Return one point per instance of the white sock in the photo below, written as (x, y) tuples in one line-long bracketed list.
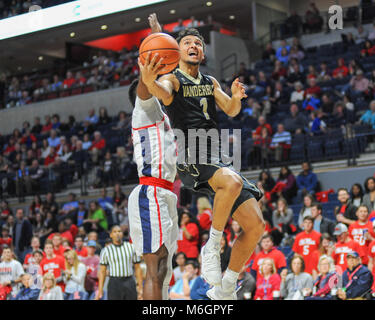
[(230, 280), (215, 236)]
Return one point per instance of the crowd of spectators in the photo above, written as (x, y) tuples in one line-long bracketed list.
[(48, 156), (11, 8), (105, 70), (295, 94), (51, 249)]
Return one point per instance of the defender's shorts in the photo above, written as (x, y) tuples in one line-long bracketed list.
[(153, 219)]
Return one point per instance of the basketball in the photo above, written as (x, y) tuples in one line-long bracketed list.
[(163, 44)]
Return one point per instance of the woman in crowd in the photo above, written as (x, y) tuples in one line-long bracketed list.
[(118, 195), (295, 283), (204, 213), (188, 237), (225, 251), (282, 218), (326, 281), (306, 209), (287, 177), (50, 291), (104, 119), (369, 197), (267, 181), (356, 194), (268, 281), (96, 220), (235, 231), (326, 248), (179, 269), (75, 273)]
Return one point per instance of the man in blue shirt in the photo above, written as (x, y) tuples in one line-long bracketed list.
[(81, 213), (92, 117), (68, 208), (53, 140), (369, 116), (307, 181), (104, 200), (356, 280)]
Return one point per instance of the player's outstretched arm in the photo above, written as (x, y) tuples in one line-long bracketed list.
[(154, 23), (162, 88), (230, 105)]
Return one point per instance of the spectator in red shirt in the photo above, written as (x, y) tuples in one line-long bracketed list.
[(92, 264), (268, 281), (50, 159), (262, 124), (204, 213), (29, 258), (312, 89), (5, 210), (97, 147), (189, 236), (371, 256), (80, 79), (57, 244), (343, 245), (69, 81), (279, 72), (361, 232), (48, 124), (268, 251), (28, 138), (5, 240), (368, 50), (53, 263), (79, 248), (306, 242), (341, 71)]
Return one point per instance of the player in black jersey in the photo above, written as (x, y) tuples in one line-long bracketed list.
[(190, 99)]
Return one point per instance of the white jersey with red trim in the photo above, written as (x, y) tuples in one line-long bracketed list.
[(155, 148)]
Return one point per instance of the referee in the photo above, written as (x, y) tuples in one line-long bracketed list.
[(120, 257)]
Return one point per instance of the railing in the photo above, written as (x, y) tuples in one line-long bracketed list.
[(227, 63), (355, 15), (336, 144)]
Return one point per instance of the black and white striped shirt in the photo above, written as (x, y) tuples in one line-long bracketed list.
[(120, 259)]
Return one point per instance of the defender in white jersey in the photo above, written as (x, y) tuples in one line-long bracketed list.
[(152, 206)]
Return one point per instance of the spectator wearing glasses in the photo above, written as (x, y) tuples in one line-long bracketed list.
[(356, 279), (50, 291)]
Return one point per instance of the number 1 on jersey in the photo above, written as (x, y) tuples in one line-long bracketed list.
[(203, 102)]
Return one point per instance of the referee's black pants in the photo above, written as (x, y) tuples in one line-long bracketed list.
[(122, 288)]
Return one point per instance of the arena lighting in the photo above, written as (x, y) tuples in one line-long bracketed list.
[(173, 11), (104, 27), (64, 14), (232, 17), (137, 19), (208, 3), (72, 34), (40, 58)]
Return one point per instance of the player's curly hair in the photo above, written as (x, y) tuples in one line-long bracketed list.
[(190, 32)]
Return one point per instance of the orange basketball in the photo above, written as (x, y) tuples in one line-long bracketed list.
[(163, 44)]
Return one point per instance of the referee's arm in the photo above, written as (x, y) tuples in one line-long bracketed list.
[(101, 276), (102, 273)]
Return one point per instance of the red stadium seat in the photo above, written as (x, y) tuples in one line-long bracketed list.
[(88, 89), (76, 91), (65, 93), (124, 82)]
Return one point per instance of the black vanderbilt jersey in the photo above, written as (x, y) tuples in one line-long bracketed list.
[(193, 106)]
